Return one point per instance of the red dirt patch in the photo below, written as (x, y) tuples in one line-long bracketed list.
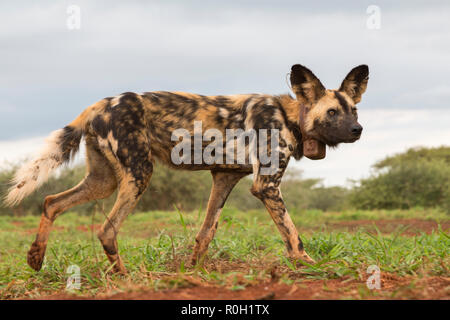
[(414, 226), (35, 230), (392, 287)]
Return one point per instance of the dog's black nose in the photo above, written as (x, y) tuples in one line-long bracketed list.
[(357, 129)]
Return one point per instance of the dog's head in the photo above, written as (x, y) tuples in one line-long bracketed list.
[(330, 115)]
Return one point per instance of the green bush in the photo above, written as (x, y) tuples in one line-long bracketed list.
[(418, 177), (328, 198)]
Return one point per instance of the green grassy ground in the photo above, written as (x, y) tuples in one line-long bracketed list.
[(247, 246)]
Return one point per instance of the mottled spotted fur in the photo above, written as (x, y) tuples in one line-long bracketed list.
[(124, 136)]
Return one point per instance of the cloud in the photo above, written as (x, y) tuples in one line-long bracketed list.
[(435, 97)]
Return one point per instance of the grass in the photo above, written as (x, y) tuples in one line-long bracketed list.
[(156, 245)]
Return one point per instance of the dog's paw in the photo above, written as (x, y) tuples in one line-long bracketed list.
[(303, 257), (35, 256)]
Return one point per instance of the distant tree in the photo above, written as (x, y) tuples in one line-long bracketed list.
[(418, 177), (329, 198), (415, 154)]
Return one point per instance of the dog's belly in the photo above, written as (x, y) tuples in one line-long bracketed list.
[(215, 167)]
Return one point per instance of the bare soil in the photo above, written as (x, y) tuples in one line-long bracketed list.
[(392, 287)]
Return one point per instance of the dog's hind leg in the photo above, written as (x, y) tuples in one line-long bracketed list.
[(223, 183), (99, 183), (133, 170), (127, 199)]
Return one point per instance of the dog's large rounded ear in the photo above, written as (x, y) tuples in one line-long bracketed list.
[(355, 83), (306, 86)]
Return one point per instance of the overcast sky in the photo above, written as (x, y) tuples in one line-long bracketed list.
[(49, 74)]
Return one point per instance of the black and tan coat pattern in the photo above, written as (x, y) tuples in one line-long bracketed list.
[(124, 136)]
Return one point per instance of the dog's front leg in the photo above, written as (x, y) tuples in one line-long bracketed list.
[(266, 188)]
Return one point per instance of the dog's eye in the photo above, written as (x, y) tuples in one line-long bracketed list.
[(354, 110), (332, 112)]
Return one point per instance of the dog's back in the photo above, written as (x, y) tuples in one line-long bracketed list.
[(165, 117)]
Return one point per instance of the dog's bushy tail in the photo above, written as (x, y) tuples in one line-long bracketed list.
[(60, 147)]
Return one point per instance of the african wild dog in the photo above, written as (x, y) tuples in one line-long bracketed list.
[(124, 136)]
